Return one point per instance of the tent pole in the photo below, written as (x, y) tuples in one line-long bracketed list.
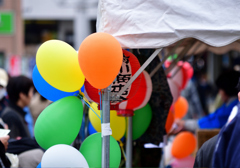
[(180, 56), (105, 127), (129, 144), (165, 58)]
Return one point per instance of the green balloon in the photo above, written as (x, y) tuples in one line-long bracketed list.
[(91, 149), (59, 123), (140, 121)]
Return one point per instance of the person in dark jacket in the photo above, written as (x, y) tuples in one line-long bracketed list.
[(222, 150), (20, 91), (226, 83), (205, 153)]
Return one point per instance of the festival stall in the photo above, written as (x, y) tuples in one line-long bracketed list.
[(182, 27), (112, 75)]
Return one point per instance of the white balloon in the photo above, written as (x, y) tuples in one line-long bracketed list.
[(63, 156), (174, 88)]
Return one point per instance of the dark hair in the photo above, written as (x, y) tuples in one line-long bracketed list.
[(17, 85), (227, 81)]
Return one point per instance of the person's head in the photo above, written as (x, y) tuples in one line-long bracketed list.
[(20, 90), (226, 83), (3, 82)]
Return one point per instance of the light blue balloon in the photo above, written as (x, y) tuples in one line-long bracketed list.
[(46, 90)]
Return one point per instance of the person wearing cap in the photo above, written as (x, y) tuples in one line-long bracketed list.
[(226, 84), (3, 83)]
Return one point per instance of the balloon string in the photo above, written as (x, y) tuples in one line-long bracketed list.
[(121, 146), (85, 100), (100, 94)]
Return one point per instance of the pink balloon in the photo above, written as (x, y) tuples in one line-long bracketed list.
[(187, 162), (174, 88)]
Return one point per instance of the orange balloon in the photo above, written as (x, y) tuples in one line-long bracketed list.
[(169, 122), (180, 108), (100, 57), (183, 145)]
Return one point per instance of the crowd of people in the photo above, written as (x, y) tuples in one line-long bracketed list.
[(16, 93)]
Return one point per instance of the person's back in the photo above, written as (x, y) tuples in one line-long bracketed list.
[(14, 117), (205, 153)]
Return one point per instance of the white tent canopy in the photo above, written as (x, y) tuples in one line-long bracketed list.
[(160, 23), (203, 24)]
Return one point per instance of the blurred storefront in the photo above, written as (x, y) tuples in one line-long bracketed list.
[(26, 24), (11, 31)]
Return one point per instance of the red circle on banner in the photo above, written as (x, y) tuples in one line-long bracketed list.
[(140, 99)]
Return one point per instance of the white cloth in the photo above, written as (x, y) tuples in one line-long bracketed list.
[(159, 23)]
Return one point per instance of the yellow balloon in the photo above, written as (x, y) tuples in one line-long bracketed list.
[(117, 124), (57, 63)]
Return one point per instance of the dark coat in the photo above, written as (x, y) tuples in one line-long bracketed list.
[(13, 116), (205, 153)]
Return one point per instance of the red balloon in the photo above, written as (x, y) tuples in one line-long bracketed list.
[(140, 99), (184, 74), (129, 67), (189, 69)]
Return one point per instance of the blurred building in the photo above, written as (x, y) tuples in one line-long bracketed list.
[(67, 20), (11, 29)]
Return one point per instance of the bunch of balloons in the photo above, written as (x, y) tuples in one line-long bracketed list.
[(58, 76)]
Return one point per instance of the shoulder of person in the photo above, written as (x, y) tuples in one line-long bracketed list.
[(9, 112)]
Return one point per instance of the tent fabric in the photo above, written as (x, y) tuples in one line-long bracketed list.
[(200, 47), (156, 24)]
